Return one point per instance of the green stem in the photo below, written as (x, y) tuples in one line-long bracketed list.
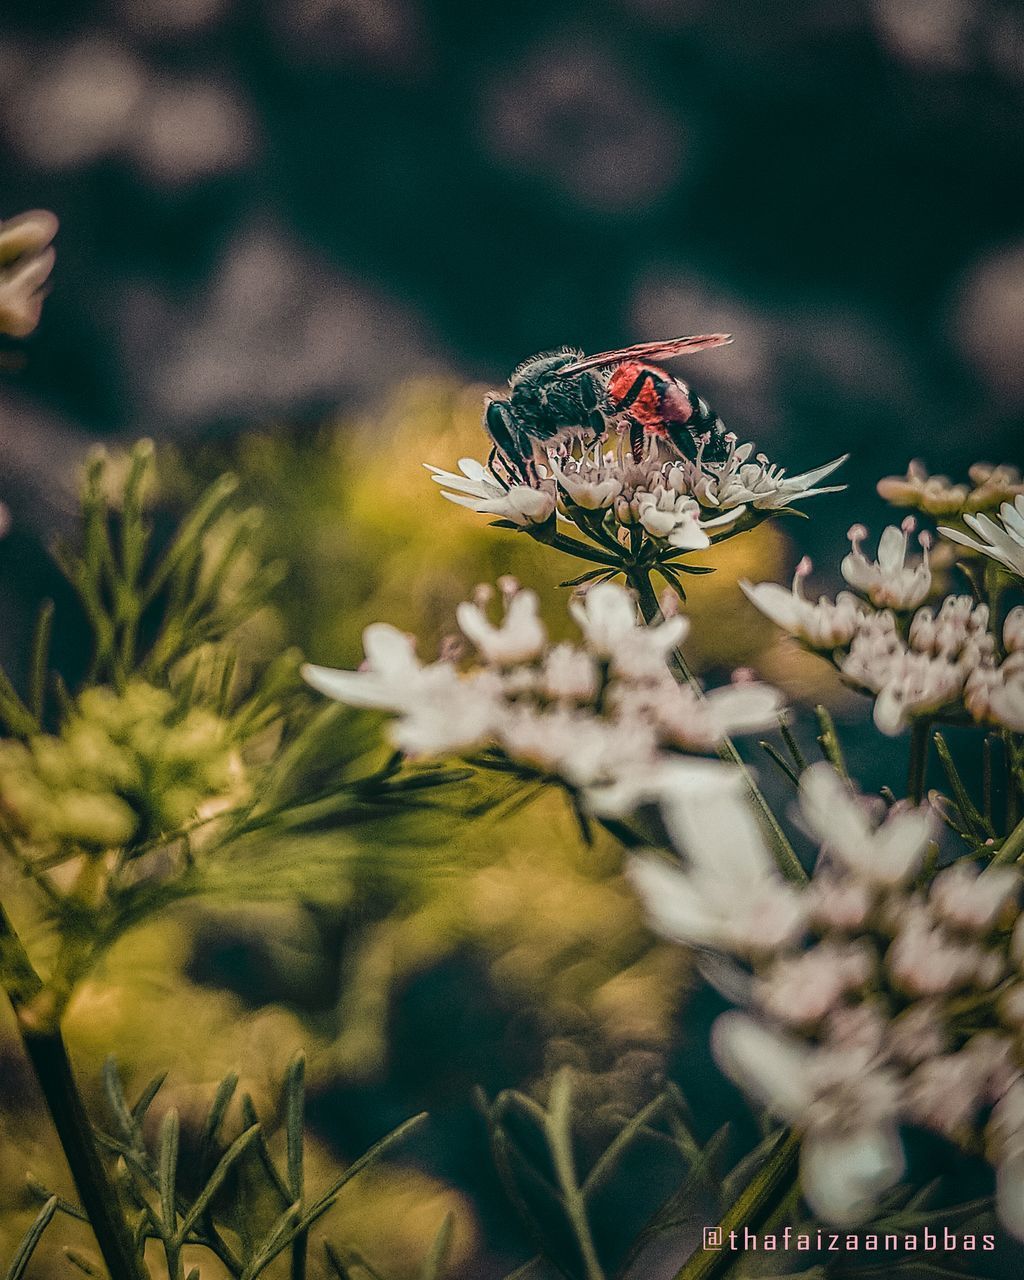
[(1012, 784), (920, 741), (785, 856), (46, 1051), (775, 1181), (1012, 847)]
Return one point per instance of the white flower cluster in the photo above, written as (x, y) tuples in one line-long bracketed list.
[(989, 486), (606, 716), (1001, 539), (914, 660), (872, 1003), (673, 500)]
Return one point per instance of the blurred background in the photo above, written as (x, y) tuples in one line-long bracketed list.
[(299, 236)]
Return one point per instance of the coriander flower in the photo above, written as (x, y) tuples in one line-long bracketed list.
[(696, 721), (1013, 630), (728, 893), (676, 503), (759, 483), (1002, 539), (965, 899), (822, 625), (928, 959), (948, 658), (844, 1103), (1004, 1139), (905, 684), (886, 853), (671, 516), (822, 968), (889, 581), (480, 490), (26, 260), (996, 694), (939, 496), (802, 989), (439, 709), (520, 637), (938, 662), (592, 481), (606, 717), (607, 616)]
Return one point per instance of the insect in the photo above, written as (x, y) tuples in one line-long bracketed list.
[(558, 396)]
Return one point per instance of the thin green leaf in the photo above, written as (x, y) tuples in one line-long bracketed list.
[(23, 1254), (221, 1102), (145, 1101), (249, 1119), (526, 1270), (592, 575), (224, 1166), (186, 542), (791, 742), (828, 740), (344, 1271), (167, 1159), (83, 1264), (627, 1135), (336, 1264), (118, 1102), (14, 713), (279, 1234), (436, 1259), (374, 1153), (968, 810), (735, 1181), (63, 1206), (778, 759), (558, 1131), (295, 1105), (40, 660)]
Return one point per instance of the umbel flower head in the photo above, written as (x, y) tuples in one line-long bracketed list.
[(939, 496), (604, 716), (914, 660), (656, 504), (125, 767), (872, 1003), (26, 260)]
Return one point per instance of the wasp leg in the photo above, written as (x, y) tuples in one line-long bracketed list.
[(684, 439), (591, 396), (514, 448), (717, 447)]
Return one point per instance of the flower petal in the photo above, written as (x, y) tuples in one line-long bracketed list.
[(842, 1175), (766, 1064)]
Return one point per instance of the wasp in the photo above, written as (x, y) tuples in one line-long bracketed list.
[(560, 396)]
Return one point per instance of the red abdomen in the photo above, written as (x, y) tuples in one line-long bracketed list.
[(661, 399)]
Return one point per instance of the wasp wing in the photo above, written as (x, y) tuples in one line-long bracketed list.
[(663, 350)]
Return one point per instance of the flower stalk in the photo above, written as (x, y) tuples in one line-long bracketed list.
[(789, 864), (774, 1181), (34, 1005), (920, 742), (1012, 848)]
